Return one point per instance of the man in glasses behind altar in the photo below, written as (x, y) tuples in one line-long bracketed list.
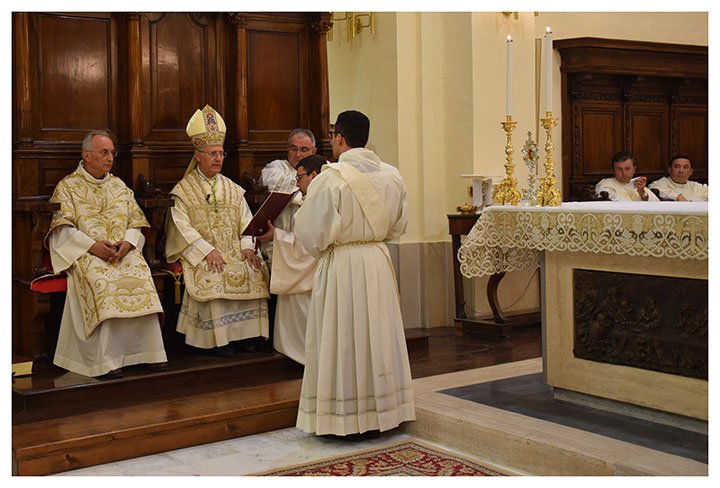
[(279, 175), (226, 282)]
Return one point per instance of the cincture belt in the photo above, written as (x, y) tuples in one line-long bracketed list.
[(384, 249), (332, 247)]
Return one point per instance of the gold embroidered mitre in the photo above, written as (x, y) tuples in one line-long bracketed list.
[(206, 128)]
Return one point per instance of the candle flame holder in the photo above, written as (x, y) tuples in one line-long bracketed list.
[(506, 192), (549, 195)]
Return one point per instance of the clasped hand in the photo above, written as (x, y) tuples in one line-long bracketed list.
[(110, 252), (216, 263)]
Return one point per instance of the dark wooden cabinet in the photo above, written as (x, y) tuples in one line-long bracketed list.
[(647, 98), (141, 76)]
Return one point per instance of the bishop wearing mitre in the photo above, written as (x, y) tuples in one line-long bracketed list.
[(226, 280)]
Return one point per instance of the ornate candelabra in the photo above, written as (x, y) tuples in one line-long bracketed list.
[(530, 156), (506, 193), (549, 195)]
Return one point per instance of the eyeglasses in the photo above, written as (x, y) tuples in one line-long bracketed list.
[(214, 154), (105, 153), (332, 133), (297, 178), (301, 150)]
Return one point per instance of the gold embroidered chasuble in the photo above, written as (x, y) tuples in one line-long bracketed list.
[(221, 226), (104, 210)]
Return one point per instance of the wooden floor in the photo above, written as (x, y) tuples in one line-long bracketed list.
[(63, 421)]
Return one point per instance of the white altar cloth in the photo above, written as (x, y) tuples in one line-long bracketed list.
[(507, 238)]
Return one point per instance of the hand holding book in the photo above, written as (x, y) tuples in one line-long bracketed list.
[(268, 212)]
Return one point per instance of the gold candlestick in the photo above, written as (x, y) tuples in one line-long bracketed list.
[(506, 193), (549, 195)]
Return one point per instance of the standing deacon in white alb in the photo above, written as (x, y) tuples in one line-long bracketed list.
[(279, 175), (110, 318), (357, 374), (226, 282), (291, 275), (676, 186)]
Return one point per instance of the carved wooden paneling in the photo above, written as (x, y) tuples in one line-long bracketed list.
[(647, 136), (277, 81), (690, 136), (599, 128), (646, 98), (183, 63), (75, 67)]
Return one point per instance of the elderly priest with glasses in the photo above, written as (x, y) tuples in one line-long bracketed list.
[(110, 319), (226, 282)]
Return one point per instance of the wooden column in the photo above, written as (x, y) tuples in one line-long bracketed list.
[(320, 114), (140, 166), (240, 21), (23, 92)]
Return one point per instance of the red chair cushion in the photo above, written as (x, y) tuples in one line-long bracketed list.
[(49, 283)]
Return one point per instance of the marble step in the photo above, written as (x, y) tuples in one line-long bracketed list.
[(57, 445)]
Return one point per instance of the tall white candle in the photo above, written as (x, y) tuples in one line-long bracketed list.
[(508, 79), (548, 69)]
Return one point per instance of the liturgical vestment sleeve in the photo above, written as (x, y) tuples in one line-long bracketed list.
[(67, 244)]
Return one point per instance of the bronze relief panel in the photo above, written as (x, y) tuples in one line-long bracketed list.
[(651, 322)]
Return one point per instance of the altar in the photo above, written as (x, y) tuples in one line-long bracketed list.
[(623, 295)]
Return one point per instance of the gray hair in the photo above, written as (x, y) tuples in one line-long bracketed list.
[(305, 132), (87, 142)]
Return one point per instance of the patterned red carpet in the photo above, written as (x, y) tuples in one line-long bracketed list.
[(405, 458)]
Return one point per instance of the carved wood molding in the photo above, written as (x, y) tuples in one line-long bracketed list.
[(239, 20), (321, 26), (597, 55)]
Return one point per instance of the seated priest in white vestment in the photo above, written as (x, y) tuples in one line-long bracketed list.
[(291, 275), (279, 175), (110, 319), (226, 281), (357, 378), (677, 186), (625, 186)]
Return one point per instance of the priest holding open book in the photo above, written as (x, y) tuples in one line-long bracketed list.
[(226, 281), (279, 176), (291, 276)]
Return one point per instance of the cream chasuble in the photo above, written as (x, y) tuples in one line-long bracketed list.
[(619, 192), (104, 210), (692, 190), (357, 373), (217, 307), (110, 317)]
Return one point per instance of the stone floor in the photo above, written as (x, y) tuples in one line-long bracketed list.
[(472, 423)]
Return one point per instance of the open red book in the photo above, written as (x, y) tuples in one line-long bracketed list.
[(270, 209)]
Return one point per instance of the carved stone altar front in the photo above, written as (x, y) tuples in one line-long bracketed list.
[(658, 323)]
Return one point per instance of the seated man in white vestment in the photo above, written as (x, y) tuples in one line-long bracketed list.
[(279, 175), (110, 319), (676, 186), (625, 186), (291, 275), (226, 282), (357, 378)]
